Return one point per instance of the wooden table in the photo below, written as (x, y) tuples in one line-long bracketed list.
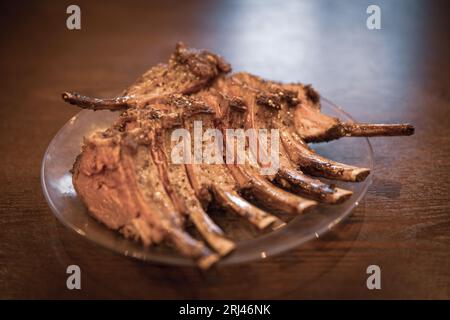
[(399, 73)]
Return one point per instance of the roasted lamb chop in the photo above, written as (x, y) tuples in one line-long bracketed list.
[(127, 179)]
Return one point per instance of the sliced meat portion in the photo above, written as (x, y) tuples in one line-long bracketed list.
[(101, 181), (118, 183), (156, 129)]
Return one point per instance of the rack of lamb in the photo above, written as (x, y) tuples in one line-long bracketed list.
[(125, 176)]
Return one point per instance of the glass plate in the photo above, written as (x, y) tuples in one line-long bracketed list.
[(251, 244)]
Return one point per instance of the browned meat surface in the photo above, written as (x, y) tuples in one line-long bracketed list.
[(128, 181), (188, 70)]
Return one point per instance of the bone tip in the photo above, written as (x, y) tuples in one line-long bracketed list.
[(409, 129), (69, 97), (360, 174), (207, 261), (226, 247), (340, 195), (66, 95), (267, 221), (278, 224), (306, 205)]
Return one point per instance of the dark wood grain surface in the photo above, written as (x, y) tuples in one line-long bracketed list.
[(398, 73)]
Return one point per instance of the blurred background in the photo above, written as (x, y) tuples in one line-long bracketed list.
[(400, 73)]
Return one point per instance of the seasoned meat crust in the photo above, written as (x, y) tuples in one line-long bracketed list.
[(127, 179)]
